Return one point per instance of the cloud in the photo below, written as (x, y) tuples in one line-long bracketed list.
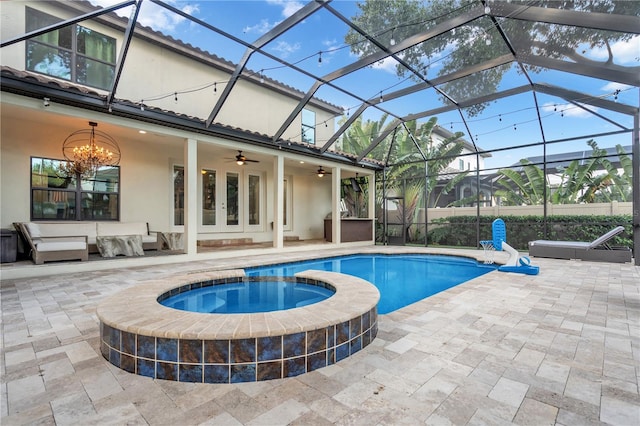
[(624, 52), (388, 64), (612, 86), (260, 28), (154, 16), (288, 7), (569, 110), (285, 49)]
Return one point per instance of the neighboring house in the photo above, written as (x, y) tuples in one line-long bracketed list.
[(176, 172)]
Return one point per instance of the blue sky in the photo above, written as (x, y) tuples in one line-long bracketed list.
[(505, 123)]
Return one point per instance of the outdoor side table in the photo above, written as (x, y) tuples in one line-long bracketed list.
[(113, 245), (173, 240)]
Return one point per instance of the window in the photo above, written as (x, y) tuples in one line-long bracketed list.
[(233, 200), (461, 164), (208, 197), (288, 202), (178, 195), (73, 53), (308, 127), (55, 196), (254, 200)]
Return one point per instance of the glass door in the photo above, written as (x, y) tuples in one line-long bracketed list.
[(231, 203)]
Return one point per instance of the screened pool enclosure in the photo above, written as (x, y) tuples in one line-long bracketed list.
[(463, 111)]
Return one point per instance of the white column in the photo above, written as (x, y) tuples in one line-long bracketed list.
[(191, 174), (336, 229), (278, 202)]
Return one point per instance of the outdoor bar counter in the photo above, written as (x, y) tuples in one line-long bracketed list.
[(351, 229)]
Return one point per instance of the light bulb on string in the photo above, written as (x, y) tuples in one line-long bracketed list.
[(381, 98), (499, 117), (261, 76), (215, 88), (175, 96), (319, 57), (392, 42)]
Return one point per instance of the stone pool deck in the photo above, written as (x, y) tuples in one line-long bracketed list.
[(562, 347)]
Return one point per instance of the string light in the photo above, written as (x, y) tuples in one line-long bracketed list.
[(175, 96), (392, 42), (381, 98), (364, 40), (215, 87)]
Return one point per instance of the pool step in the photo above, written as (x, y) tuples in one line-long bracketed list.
[(225, 242)]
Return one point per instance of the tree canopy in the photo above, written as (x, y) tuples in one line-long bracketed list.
[(478, 41)]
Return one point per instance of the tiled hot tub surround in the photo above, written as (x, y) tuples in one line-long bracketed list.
[(140, 336)]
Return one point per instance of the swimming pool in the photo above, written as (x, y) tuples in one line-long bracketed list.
[(252, 294), (401, 279)]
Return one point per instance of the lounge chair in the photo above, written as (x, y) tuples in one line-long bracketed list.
[(598, 250)]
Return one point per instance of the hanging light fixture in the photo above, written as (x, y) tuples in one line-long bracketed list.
[(87, 150)]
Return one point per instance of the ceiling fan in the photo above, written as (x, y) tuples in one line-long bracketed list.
[(321, 172), (241, 159)]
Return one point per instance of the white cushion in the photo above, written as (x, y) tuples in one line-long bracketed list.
[(57, 229), (122, 228), (149, 238), (61, 244), (34, 230)]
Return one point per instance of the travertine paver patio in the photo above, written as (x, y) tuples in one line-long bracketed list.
[(562, 347)]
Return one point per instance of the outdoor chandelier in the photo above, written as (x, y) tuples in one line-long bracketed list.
[(87, 150)]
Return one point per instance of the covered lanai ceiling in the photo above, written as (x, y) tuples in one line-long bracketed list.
[(512, 76)]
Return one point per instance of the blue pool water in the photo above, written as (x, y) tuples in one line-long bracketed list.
[(248, 297), (401, 279)]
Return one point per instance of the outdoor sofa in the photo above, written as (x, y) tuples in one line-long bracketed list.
[(598, 250), (53, 241)]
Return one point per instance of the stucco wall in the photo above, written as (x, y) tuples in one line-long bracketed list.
[(152, 71), (146, 167)]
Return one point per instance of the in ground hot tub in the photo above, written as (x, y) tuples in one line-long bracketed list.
[(141, 336)]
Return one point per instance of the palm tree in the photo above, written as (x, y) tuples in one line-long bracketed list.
[(619, 185)]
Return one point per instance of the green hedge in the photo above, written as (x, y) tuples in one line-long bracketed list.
[(460, 231)]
